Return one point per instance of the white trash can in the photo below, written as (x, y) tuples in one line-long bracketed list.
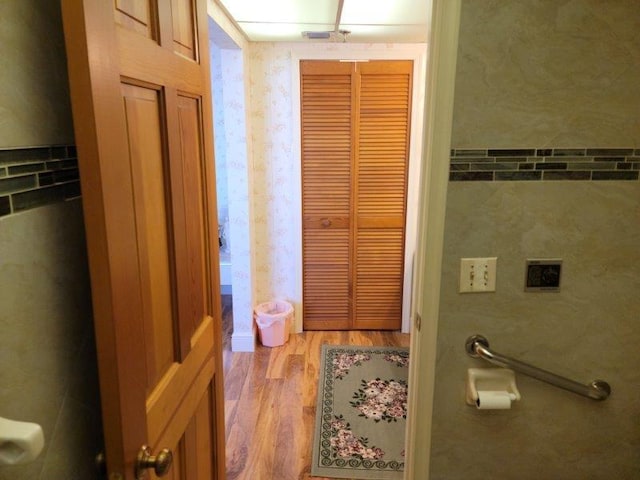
[(274, 320)]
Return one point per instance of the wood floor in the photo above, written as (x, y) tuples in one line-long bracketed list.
[(270, 398)]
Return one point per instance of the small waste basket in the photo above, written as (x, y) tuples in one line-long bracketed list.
[(274, 322)]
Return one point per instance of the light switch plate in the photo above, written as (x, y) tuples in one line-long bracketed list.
[(478, 274)]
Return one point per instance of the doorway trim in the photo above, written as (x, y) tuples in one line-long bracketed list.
[(443, 48), (233, 46), (346, 51)]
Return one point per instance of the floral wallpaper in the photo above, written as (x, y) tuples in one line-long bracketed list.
[(262, 162), (275, 206), (233, 178), (239, 177), (220, 146)]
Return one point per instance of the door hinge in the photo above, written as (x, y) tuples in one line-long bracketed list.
[(418, 322)]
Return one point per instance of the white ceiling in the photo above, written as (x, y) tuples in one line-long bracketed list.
[(369, 21)]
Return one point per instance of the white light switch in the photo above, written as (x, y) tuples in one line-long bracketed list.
[(478, 274)]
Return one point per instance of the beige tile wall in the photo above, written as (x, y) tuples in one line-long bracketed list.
[(548, 73), (534, 74), (47, 355), (34, 88), (586, 331)]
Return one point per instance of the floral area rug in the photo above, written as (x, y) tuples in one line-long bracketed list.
[(361, 413)]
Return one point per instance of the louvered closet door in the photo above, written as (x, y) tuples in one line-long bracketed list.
[(326, 119), (381, 161), (355, 142)]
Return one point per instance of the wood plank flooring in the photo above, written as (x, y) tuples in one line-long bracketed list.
[(270, 398)]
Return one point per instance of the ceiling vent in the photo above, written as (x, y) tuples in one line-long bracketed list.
[(335, 35), (317, 35)]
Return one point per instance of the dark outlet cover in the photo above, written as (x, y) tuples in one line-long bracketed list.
[(543, 275)]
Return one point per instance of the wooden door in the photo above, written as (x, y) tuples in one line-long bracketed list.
[(380, 191), (327, 119), (139, 76), (355, 125)]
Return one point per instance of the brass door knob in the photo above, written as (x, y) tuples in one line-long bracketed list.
[(160, 463)]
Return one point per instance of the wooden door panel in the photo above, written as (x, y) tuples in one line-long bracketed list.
[(144, 137), (186, 413), (170, 392), (183, 28), (134, 15), (189, 219), (142, 109), (200, 438)]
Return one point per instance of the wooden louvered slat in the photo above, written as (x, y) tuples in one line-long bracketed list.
[(379, 272), (326, 276)]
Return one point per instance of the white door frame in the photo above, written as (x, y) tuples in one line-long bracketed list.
[(438, 114), (441, 71)]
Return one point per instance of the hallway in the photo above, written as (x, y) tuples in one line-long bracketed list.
[(270, 398)]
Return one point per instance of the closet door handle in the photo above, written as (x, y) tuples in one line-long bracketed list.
[(325, 222)]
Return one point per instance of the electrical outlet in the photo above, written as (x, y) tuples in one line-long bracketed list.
[(478, 274)]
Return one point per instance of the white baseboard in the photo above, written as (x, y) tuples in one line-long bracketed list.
[(243, 342)]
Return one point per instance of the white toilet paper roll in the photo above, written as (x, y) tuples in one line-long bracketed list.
[(494, 400)]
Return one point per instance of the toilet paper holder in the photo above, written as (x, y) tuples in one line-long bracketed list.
[(20, 442), (490, 380)]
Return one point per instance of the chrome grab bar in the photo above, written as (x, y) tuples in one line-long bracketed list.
[(478, 346)]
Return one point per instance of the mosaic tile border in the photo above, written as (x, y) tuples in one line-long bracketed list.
[(531, 164), (33, 177)]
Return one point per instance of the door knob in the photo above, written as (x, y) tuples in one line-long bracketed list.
[(160, 463), (325, 222), (101, 465)]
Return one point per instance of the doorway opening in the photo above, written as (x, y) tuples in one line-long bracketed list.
[(232, 182), (267, 386)]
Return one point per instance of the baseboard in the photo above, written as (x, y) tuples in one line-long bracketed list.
[(243, 342)]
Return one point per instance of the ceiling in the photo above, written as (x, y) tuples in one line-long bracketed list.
[(368, 21)]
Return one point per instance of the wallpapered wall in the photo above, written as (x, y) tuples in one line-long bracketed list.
[(544, 74), (219, 142), (239, 178), (274, 203)]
